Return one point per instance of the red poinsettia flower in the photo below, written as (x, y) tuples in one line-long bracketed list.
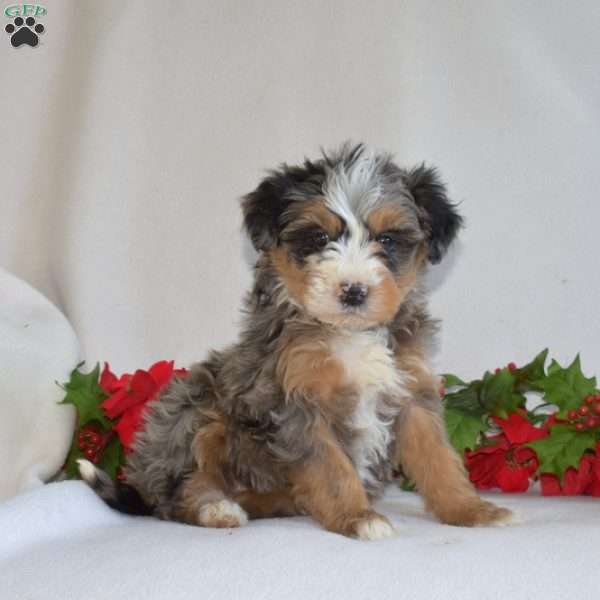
[(483, 464), (583, 480), (593, 487), (518, 430), (506, 464), (110, 383), (502, 465), (130, 394)]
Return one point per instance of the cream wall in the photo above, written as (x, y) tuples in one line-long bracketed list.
[(129, 133)]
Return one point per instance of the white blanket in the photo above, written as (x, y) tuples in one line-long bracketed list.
[(60, 542), (37, 348)]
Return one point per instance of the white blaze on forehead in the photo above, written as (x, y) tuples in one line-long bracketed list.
[(351, 193), (355, 186)]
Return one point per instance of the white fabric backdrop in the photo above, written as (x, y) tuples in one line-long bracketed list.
[(130, 132)]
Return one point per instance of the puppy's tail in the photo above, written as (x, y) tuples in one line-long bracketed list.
[(117, 495)]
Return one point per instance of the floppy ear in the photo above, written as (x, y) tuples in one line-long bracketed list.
[(439, 217), (262, 209)]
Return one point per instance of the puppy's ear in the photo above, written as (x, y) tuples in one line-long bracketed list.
[(262, 209), (439, 217)]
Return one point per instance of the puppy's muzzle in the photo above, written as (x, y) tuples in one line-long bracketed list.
[(353, 294)]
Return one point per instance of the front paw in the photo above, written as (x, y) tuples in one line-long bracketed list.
[(371, 526), (475, 513), (222, 514)]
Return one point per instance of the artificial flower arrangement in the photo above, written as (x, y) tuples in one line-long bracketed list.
[(514, 426)]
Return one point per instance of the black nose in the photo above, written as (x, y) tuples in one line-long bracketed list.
[(353, 294)]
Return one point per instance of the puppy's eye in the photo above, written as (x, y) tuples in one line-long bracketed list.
[(319, 239), (304, 242), (313, 241), (396, 241), (386, 240)]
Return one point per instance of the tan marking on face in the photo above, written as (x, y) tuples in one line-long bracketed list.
[(387, 218), (386, 299), (293, 277), (316, 214), (389, 294)]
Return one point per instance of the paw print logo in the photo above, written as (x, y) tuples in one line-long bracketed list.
[(24, 32)]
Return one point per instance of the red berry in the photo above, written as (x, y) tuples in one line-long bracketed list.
[(583, 410), (95, 438), (497, 370), (89, 453), (580, 426), (572, 415), (590, 399), (591, 422), (512, 366), (597, 408)]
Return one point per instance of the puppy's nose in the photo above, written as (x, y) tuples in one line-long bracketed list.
[(353, 294)]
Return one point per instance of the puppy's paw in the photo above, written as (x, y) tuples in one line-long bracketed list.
[(372, 526), (222, 514), (477, 513)]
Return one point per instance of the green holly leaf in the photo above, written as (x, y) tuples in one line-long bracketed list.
[(463, 429), (112, 457), (498, 395), (527, 375), (566, 388), (451, 381), (408, 486), (466, 399), (71, 468), (84, 392), (562, 449), (536, 418), (554, 367)]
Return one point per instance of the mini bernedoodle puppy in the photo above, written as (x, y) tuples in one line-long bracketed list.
[(328, 391)]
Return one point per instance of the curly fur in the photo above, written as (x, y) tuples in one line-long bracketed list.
[(317, 404)]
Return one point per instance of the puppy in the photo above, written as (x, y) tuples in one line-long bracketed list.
[(328, 390)]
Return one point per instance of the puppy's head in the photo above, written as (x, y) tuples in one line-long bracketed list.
[(347, 235)]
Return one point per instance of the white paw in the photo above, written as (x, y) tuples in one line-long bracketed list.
[(510, 518), (223, 513), (87, 470), (374, 528)]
